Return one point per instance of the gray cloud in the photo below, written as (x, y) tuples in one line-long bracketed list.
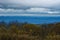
[(29, 12), (29, 7), (23, 4)]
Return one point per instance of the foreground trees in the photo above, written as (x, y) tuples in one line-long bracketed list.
[(26, 31)]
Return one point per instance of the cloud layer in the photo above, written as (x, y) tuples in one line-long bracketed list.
[(44, 10), (30, 7), (30, 3), (28, 12)]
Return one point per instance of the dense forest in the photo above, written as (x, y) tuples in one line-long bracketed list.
[(27, 31)]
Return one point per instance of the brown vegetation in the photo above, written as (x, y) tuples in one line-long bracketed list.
[(25, 31)]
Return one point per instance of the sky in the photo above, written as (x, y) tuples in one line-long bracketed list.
[(29, 7)]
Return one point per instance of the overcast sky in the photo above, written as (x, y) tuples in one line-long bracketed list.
[(31, 3), (30, 6)]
